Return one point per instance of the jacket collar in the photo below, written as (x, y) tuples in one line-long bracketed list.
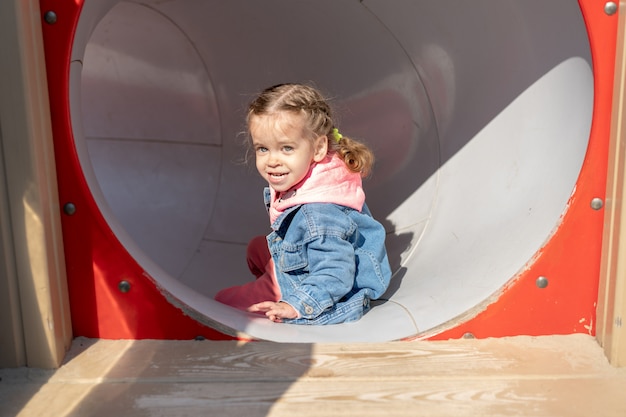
[(328, 181)]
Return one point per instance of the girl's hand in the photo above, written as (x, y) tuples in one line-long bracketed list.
[(274, 311)]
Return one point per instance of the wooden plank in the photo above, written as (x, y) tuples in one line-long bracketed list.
[(471, 397), (32, 205), (547, 376), (611, 328), (258, 360)]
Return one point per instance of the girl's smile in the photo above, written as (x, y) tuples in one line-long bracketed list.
[(284, 152)]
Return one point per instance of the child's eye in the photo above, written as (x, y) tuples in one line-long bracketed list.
[(261, 149), (287, 148)]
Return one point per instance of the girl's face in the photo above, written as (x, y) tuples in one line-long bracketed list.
[(284, 154)]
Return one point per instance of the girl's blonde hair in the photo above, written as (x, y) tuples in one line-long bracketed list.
[(307, 101)]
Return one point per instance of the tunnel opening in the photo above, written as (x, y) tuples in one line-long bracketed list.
[(479, 116)]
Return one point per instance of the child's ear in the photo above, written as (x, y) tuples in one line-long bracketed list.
[(321, 148)]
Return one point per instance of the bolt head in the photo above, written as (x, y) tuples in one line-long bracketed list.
[(542, 282), (124, 286), (50, 17), (69, 209), (597, 203), (610, 8)]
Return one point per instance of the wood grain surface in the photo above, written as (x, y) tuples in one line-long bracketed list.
[(519, 376)]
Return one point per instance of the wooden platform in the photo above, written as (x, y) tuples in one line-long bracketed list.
[(560, 376)]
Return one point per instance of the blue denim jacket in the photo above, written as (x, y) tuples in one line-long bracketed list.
[(330, 261)]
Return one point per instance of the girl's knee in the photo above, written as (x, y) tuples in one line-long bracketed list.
[(257, 244), (258, 255)]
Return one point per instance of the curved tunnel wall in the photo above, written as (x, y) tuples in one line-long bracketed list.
[(479, 117)]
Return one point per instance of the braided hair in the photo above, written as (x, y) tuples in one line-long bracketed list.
[(308, 102)]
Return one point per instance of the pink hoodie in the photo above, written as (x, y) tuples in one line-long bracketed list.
[(329, 181)]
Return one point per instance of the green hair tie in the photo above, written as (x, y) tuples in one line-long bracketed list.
[(337, 135)]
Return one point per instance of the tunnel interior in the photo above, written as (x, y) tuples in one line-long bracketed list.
[(479, 115)]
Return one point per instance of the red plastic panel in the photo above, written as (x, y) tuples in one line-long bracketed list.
[(97, 262)]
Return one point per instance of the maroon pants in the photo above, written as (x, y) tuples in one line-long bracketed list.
[(264, 288)]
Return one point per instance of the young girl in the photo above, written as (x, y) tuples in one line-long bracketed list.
[(325, 258)]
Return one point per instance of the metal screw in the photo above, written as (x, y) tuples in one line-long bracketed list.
[(124, 286), (69, 209), (469, 335), (50, 17), (610, 8), (597, 203), (542, 282)]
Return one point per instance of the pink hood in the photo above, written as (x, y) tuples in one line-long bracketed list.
[(328, 181)]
